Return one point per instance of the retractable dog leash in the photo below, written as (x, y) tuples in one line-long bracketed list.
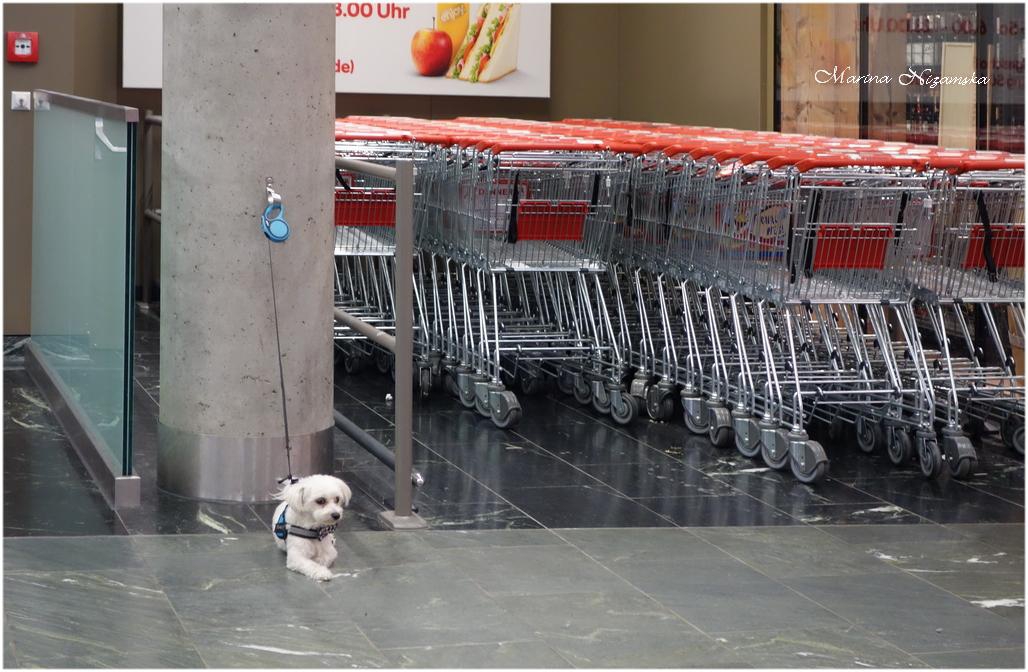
[(276, 230)]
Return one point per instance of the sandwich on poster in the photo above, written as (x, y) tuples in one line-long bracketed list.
[(490, 48)]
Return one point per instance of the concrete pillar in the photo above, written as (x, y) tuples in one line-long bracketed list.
[(248, 94)]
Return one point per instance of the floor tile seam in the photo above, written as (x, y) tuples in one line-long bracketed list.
[(635, 587), (858, 625), (518, 640), (135, 380), (267, 526), (365, 405), (858, 488), (788, 515), (786, 586), (76, 536), (924, 579), (817, 527), (872, 499), (502, 499), (992, 494), (367, 639), (984, 650), (140, 649), (171, 606), (560, 459), (603, 483), (867, 634), (965, 537), (918, 659), (526, 622), (500, 546), (618, 430), (923, 520)]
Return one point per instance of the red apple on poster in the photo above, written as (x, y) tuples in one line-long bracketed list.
[(431, 51)]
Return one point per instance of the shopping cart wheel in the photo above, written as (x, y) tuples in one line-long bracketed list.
[(530, 385), (963, 467), (836, 429), (809, 477), (720, 426), (467, 396), (624, 408), (694, 414), (868, 434), (806, 457), (1012, 433), (566, 382), (778, 457), (383, 361), (899, 446), (660, 405), (601, 398), (510, 419), (450, 383), (959, 454), (583, 393), (747, 433), (482, 407), (505, 411), (425, 381), (975, 429), (929, 456)]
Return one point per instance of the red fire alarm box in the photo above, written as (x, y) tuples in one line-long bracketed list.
[(22, 47)]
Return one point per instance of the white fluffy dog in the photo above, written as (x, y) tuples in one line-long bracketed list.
[(305, 521)]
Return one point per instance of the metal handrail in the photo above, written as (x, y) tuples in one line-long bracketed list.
[(401, 343), (43, 97)]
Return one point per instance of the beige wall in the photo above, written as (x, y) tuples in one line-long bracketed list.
[(79, 47), (694, 64), (698, 64)]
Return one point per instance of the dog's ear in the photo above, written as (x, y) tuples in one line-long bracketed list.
[(295, 496), (344, 493)]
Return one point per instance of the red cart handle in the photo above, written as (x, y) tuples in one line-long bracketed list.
[(885, 161), (544, 145), (991, 163)]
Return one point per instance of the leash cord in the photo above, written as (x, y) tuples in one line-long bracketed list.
[(281, 375)]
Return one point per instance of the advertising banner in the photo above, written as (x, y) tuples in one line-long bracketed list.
[(445, 49), (458, 49)]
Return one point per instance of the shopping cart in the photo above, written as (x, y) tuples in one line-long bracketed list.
[(969, 277), (365, 217), (769, 281)]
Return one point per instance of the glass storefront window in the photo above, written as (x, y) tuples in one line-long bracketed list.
[(882, 63)]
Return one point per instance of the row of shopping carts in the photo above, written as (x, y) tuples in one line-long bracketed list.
[(764, 283)]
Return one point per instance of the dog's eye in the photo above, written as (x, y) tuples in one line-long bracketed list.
[(320, 501), (337, 500)]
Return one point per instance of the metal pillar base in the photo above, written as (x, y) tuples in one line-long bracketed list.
[(395, 522), (236, 469)]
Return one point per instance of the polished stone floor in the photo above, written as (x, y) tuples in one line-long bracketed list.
[(563, 466), (567, 542), (848, 596)]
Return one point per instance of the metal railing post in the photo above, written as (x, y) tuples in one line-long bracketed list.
[(400, 343), (403, 281)]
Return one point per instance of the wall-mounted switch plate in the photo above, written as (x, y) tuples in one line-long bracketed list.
[(21, 100)]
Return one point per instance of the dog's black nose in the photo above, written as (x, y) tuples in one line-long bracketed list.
[(336, 516)]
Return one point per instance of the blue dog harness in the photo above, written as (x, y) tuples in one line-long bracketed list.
[(284, 529)]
